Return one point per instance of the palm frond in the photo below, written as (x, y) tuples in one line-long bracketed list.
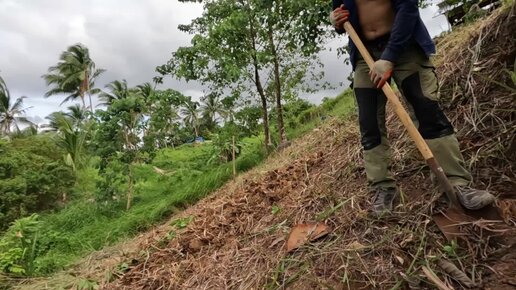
[(69, 98), (54, 91), (24, 120), (5, 96), (97, 73), (118, 90), (18, 105), (95, 91), (68, 76)]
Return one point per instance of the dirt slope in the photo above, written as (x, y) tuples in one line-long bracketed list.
[(236, 237)]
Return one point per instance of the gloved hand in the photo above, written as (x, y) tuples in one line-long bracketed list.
[(339, 16), (381, 72)]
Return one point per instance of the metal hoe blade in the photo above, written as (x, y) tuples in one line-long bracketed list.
[(450, 220)]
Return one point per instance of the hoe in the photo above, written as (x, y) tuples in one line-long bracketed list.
[(450, 219)]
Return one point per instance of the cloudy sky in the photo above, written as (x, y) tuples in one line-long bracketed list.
[(128, 38)]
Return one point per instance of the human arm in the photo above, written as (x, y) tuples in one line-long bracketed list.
[(407, 15), (338, 16)]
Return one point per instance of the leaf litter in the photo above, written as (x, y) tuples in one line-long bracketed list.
[(236, 237)]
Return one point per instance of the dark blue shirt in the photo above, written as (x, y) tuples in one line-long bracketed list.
[(407, 27)]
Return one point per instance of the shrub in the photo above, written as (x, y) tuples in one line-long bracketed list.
[(18, 246), (33, 176), (23, 243), (223, 144)]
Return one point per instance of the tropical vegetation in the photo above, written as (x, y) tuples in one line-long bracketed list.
[(98, 172)]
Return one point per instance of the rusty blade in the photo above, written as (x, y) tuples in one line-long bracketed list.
[(450, 220)]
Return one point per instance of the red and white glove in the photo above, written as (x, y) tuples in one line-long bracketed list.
[(381, 72), (339, 16)]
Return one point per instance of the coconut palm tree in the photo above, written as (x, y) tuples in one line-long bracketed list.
[(228, 105), (117, 90), (69, 137), (11, 113), (211, 107), (146, 91), (53, 123), (74, 75), (76, 114), (190, 112)]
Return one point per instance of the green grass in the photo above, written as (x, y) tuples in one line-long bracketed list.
[(341, 106), (85, 226), (184, 156)]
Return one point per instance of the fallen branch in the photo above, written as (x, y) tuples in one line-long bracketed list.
[(432, 277), (456, 273)]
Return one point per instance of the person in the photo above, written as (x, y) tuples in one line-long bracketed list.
[(395, 35)]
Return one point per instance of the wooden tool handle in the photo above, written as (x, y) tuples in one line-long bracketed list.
[(406, 120), (391, 96)]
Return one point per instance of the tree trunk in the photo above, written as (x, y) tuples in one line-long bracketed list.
[(85, 89), (91, 104), (265, 114), (82, 99), (7, 127), (259, 87), (234, 157), (129, 188), (126, 136), (277, 86)]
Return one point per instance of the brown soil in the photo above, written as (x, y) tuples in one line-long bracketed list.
[(235, 241), (237, 236)]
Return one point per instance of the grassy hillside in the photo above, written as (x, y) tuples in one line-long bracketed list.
[(176, 179), (237, 238)]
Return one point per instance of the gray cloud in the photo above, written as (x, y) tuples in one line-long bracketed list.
[(128, 38)]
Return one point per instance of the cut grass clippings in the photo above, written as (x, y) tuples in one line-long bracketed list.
[(236, 239)]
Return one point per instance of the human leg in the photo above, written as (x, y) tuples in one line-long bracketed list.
[(371, 110), (415, 76)]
